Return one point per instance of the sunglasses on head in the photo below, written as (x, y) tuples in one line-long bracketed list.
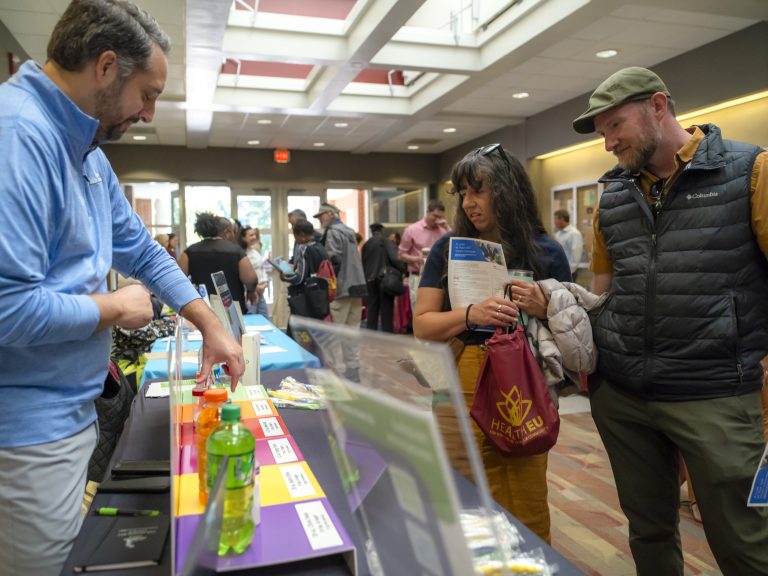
[(489, 149)]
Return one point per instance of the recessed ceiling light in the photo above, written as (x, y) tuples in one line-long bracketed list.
[(607, 53), (520, 95), (139, 138), (254, 142), (449, 130), (264, 121), (319, 144), (341, 124), (413, 147)]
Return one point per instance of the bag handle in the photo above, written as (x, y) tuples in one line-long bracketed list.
[(513, 326)]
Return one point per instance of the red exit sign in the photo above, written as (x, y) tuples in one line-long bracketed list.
[(282, 156)]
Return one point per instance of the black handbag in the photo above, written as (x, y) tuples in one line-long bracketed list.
[(391, 281), (311, 299), (113, 408)]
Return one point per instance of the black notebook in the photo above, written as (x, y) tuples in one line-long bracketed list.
[(128, 542)]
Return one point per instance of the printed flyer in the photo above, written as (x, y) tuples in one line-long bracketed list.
[(476, 271)]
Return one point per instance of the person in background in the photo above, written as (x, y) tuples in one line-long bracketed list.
[(299, 214), (569, 238), (213, 253), (162, 239), (170, 247), (402, 314), (339, 242), (379, 253), (250, 241), (234, 231), (106, 66), (296, 215), (417, 239), (309, 256), (681, 241), (497, 204)]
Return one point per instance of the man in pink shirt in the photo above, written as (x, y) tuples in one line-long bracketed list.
[(418, 238)]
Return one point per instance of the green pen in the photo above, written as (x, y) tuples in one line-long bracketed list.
[(104, 511)]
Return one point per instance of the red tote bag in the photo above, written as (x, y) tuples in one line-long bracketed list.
[(512, 405)]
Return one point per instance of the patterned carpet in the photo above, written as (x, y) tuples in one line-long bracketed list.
[(588, 526)]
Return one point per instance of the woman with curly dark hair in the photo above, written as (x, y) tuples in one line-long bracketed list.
[(214, 253), (497, 204)]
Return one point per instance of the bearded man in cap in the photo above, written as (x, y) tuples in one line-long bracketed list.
[(681, 240)]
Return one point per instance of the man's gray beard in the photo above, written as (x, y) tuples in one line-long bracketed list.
[(106, 101)]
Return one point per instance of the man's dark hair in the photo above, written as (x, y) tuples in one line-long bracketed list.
[(208, 225), (88, 28), (298, 213), (435, 205), (564, 214), (304, 227)]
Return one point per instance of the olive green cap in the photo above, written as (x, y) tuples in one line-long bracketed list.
[(626, 85)]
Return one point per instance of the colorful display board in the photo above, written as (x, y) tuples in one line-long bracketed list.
[(297, 520)]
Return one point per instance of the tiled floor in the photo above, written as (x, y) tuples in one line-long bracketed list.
[(588, 526)]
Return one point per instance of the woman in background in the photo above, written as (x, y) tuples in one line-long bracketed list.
[(213, 253), (250, 241), (170, 247), (497, 204), (162, 239)]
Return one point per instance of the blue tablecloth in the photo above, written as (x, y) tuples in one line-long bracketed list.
[(293, 357)]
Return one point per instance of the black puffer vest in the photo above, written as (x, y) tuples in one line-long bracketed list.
[(688, 313)]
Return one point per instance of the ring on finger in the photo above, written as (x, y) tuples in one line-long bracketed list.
[(498, 308)]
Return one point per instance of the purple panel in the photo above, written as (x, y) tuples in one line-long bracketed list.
[(279, 538), (371, 466)]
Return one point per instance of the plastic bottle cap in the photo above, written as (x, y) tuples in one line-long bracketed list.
[(216, 394), (230, 413), (198, 391)]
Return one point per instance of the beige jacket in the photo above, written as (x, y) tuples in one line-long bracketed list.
[(564, 340)]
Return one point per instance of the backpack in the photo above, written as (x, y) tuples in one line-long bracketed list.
[(325, 270)]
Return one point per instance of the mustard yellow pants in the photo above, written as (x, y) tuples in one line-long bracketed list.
[(517, 483)]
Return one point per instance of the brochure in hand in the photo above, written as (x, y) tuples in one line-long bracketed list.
[(128, 542)]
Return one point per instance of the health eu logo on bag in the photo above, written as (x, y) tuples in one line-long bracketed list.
[(512, 405)]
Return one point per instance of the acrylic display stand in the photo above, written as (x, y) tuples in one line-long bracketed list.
[(393, 423)]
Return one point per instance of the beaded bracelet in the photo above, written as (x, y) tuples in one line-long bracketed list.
[(466, 319)]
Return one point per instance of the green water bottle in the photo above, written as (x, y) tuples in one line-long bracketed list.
[(241, 501)]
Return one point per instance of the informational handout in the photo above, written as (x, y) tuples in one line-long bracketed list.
[(758, 496), (476, 270)]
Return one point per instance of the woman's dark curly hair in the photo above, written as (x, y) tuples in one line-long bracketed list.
[(208, 225), (512, 200)]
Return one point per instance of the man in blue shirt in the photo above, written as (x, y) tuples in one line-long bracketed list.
[(65, 222)]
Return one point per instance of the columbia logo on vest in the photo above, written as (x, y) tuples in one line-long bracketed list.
[(701, 195)]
